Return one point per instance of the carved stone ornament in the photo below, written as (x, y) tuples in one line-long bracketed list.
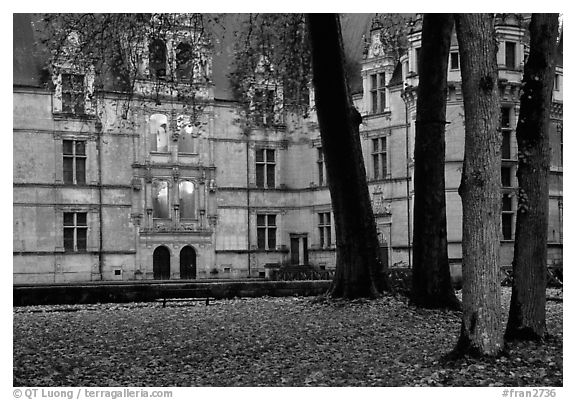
[(380, 206)]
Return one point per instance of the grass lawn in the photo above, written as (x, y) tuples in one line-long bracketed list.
[(267, 342)]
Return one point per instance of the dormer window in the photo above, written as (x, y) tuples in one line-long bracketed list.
[(184, 62), (510, 55), (157, 58), (417, 66), (263, 102), (377, 93), (73, 94)]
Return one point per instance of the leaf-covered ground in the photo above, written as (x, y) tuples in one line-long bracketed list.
[(290, 341)]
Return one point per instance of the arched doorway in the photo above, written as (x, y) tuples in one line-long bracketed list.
[(161, 263), (188, 263)]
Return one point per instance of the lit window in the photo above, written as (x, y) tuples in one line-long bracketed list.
[(186, 139), (265, 168), (74, 161), (75, 231), (379, 158), (266, 231), (159, 132), (160, 199), (324, 229), (378, 92), (187, 207), (73, 95)]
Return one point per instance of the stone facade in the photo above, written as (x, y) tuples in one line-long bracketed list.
[(142, 193)]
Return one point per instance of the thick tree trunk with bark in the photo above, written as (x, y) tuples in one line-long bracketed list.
[(527, 317), (358, 266), (480, 188), (431, 285)]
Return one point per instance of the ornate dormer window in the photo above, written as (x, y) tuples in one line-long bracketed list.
[(157, 58), (73, 82), (184, 65), (266, 96)]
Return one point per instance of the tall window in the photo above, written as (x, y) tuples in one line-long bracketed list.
[(160, 199), (506, 128), (507, 217), (187, 207), (159, 132), (74, 157), (511, 55), (506, 176), (379, 158), (73, 93), (378, 92), (263, 102), (265, 168), (157, 58), (266, 231), (75, 231), (324, 229), (454, 60), (321, 168), (417, 67), (556, 82)]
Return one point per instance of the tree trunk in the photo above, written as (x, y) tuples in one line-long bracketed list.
[(431, 284), (527, 317), (480, 188), (358, 266)]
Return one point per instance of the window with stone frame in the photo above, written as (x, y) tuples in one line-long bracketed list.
[(73, 94), (507, 217), (556, 82), (510, 56), (160, 199), (266, 231), (325, 229), (377, 93), (379, 158), (74, 162), (322, 178), (506, 129), (184, 63), (454, 60), (265, 168), (75, 231), (157, 58), (187, 200), (506, 176), (417, 66), (263, 105)]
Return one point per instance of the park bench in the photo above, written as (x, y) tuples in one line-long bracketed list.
[(183, 294)]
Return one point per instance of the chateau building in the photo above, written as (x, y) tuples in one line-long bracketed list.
[(162, 190)]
